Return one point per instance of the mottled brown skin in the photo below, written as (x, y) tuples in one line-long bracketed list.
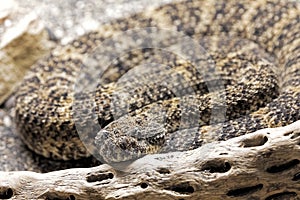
[(263, 93)]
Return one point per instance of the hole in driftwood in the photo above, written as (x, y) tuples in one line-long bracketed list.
[(6, 193), (144, 185), (223, 154), (282, 195), (182, 188), (163, 171), (218, 166), (296, 177), (244, 191), (283, 167), (257, 140), (267, 154), (293, 134), (99, 177), (289, 133), (72, 197)]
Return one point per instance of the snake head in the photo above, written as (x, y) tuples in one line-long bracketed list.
[(115, 147), (131, 136)]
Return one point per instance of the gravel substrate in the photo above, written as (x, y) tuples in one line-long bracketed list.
[(68, 19)]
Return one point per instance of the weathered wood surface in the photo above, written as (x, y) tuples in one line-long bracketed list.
[(261, 165)]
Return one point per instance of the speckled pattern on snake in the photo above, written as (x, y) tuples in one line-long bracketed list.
[(255, 46)]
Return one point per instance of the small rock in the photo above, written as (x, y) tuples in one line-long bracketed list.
[(23, 40), (7, 121), (6, 7)]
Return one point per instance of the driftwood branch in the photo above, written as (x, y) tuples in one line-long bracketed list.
[(261, 165)]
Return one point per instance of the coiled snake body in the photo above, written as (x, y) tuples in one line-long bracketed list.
[(255, 46)]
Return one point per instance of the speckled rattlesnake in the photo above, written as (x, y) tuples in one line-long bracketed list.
[(255, 46)]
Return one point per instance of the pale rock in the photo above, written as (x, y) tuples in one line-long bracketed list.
[(23, 40)]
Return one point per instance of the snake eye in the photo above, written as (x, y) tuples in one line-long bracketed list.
[(123, 145), (157, 140), (127, 143)]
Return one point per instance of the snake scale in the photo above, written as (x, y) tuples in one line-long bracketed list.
[(255, 48)]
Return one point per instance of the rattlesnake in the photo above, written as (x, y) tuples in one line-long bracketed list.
[(255, 46)]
